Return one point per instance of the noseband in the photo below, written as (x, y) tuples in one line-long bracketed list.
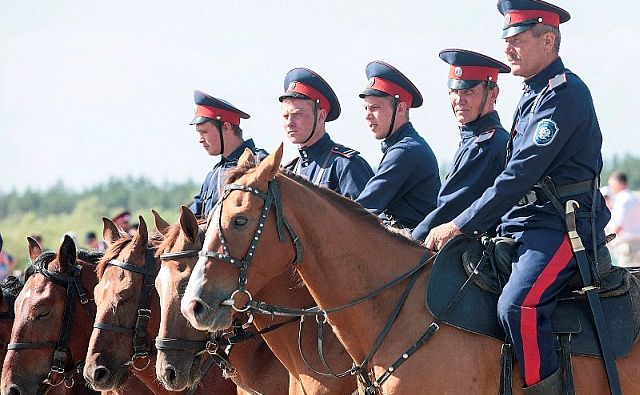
[(271, 197), (61, 365), (141, 349)]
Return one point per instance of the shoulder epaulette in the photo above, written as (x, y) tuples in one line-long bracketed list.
[(557, 81), (486, 135), (289, 165), (344, 151)]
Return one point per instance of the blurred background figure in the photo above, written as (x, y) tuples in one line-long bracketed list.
[(7, 264), (92, 242), (625, 221), (121, 220)]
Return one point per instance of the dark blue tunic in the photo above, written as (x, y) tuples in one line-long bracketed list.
[(406, 184), (204, 201), (480, 158), (559, 138), (333, 166)]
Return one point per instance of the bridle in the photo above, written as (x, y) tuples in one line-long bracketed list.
[(271, 197), (149, 271), (62, 367)]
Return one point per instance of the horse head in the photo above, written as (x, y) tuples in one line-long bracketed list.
[(180, 346), (224, 276), (123, 299), (49, 311)]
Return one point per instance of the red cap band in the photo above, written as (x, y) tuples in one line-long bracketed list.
[(476, 73), (545, 17), (217, 113), (310, 92), (390, 88)]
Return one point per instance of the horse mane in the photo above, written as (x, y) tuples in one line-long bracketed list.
[(112, 253), (333, 197), (12, 286), (90, 257)]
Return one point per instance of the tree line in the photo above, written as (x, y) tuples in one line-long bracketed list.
[(58, 209)]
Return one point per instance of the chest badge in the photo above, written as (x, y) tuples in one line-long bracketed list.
[(545, 132)]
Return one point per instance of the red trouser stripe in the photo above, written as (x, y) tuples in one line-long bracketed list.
[(528, 317)]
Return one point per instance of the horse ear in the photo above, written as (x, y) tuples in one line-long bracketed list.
[(161, 224), (110, 231), (34, 248), (246, 159), (67, 252), (141, 239), (269, 167), (189, 223)]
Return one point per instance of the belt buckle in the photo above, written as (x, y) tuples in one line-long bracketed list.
[(529, 197)]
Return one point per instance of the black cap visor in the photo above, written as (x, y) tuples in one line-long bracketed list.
[(462, 84), (372, 92), (517, 29)]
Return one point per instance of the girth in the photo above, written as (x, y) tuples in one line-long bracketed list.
[(141, 350)]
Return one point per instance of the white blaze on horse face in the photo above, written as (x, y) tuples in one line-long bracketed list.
[(195, 285), (162, 280)]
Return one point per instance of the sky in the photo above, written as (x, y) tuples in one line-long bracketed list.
[(91, 90)]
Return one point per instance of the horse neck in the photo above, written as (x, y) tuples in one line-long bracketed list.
[(346, 257)]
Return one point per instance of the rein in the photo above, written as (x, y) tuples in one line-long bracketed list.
[(141, 349), (61, 364), (272, 197)]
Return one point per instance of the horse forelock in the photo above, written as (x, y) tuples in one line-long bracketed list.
[(169, 239), (112, 253)]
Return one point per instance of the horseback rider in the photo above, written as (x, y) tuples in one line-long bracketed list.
[(218, 125), (405, 187), (554, 155), (307, 103), (473, 90)]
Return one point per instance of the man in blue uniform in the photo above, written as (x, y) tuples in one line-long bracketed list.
[(307, 103), (554, 146), (218, 125), (473, 90), (406, 184)]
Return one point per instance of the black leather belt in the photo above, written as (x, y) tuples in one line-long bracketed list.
[(563, 191)]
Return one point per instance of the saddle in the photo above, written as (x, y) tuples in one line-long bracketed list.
[(467, 278)]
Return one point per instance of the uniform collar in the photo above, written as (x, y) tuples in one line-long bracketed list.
[(318, 149), (480, 125), (541, 79), (402, 132), (235, 155)]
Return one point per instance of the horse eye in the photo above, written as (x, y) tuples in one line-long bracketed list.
[(240, 222), (43, 313)]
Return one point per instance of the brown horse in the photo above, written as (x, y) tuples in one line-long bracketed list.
[(253, 367), (283, 341), (128, 315), (54, 311), (347, 254)]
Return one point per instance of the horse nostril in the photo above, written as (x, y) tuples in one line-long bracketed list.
[(13, 391), (170, 374), (100, 374), (198, 308)]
